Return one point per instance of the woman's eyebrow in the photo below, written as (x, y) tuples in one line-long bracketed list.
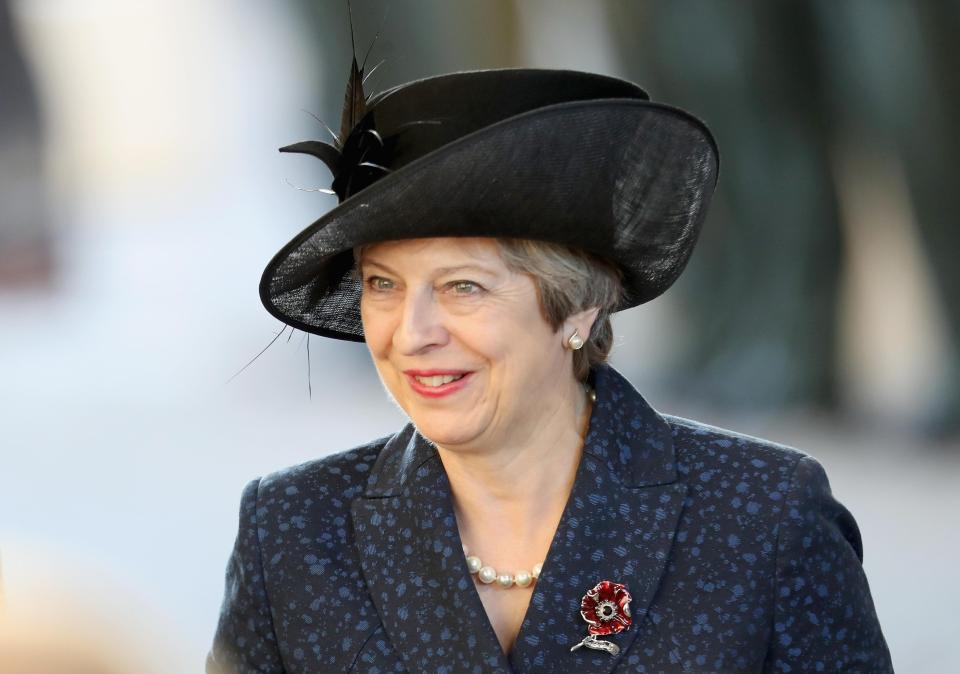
[(374, 263), (450, 270), (439, 272)]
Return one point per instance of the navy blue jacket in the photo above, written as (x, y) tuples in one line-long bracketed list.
[(736, 554)]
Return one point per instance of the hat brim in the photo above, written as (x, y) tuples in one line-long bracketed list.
[(629, 180)]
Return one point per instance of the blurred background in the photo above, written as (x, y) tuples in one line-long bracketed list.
[(141, 194)]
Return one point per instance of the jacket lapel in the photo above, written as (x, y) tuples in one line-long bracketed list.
[(411, 556), (618, 525)]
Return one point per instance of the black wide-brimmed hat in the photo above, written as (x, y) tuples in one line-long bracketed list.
[(575, 158)]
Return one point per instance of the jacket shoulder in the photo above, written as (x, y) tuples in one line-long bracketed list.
[(734, 471), (341, 475), (697, 443)]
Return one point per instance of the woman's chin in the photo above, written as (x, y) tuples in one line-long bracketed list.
[(449, 432), (444, 438)]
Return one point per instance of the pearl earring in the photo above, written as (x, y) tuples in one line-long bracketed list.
[(576, 341)]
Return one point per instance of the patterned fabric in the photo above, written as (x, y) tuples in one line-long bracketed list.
[(736, 554)]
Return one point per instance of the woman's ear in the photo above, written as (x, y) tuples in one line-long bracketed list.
[(582, 322)]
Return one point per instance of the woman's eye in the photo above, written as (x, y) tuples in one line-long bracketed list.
[(464, 287), (379, 283)]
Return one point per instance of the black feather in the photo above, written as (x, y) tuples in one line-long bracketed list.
[(354, 101), (325, 152), (354, 157)]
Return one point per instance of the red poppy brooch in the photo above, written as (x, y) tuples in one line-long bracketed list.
[(606, 608)]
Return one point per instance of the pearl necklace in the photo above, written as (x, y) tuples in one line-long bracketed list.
[(487, 574)]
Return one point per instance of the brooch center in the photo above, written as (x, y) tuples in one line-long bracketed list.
[(606, 610)]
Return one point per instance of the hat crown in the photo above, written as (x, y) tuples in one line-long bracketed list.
[(413, 119)]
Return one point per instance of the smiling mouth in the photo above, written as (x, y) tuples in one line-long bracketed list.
[(437, 383), (437, 379)]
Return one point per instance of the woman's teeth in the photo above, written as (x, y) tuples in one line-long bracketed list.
[(438, 379)]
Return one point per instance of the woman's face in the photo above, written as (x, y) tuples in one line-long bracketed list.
[(459, 339)]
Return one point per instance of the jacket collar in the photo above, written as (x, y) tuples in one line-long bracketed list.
[(618, 525), (626, 436)]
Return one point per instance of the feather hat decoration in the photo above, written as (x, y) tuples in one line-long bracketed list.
[(352, 157)]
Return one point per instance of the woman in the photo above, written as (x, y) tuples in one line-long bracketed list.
[(536, 515)]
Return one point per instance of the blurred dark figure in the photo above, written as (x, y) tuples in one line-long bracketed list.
[(894, 88), (25, 238), (784, 84)]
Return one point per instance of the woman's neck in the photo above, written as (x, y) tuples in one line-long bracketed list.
[(521, 485)]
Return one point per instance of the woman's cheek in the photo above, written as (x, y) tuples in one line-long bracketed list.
[(379, 323)]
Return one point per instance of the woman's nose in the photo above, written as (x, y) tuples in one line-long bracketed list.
[(421, 326)]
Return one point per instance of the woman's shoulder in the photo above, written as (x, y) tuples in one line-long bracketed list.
[(341, 475), (698, 435), (708, 451), (756, 478)]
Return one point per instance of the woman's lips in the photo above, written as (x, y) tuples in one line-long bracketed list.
[(437, 383)]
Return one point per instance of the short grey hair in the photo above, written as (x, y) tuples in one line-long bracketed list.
[(569, 280)]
